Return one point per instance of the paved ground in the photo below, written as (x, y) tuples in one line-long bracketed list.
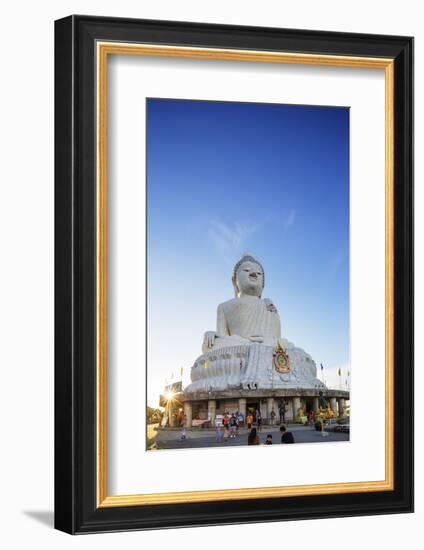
[(206, 438)]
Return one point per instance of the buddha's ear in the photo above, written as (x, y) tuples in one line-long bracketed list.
[(236, 289)]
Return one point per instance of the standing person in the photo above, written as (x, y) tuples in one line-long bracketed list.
[(268, 440), (233, 426), (249, 420), (219, 433), (240, 420), (286, 437), (282, 410), (253, 438), (225, 422), (272, 416), (259, 420)]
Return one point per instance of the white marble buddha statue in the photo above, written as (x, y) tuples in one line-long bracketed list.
[(241, 352), (248, 318)]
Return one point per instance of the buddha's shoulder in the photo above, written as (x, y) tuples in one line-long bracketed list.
[(229, 304)]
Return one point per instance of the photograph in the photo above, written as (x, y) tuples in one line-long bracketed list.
[(247, 274), (233, 272)]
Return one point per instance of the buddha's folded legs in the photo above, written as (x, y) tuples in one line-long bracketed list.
[(258, 366), (226, 342)]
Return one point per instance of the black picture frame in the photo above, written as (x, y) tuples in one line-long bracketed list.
[(76, 509)]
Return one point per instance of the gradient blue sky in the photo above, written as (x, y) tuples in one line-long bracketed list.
[(228, 177)]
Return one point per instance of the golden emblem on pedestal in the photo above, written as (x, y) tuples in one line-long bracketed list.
[(281, 361)]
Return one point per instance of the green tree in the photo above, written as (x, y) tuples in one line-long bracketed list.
[(153, 415)]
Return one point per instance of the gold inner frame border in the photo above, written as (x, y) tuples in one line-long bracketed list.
[(103, 50)]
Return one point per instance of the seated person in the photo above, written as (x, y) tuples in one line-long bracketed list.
[(286, 437)]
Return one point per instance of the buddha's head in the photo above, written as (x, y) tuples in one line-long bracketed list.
[(248, 276)]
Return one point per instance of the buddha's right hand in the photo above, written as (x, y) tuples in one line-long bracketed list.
[(209, 339)]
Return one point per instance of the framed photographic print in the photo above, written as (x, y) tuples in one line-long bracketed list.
[(234, 274)]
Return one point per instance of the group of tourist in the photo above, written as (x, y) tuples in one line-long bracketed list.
[(286, 437), (230, 426), (229, 429), (232, 423)]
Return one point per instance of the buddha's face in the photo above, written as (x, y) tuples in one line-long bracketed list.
[(250, 279)]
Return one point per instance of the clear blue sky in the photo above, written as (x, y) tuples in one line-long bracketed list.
[(228, 177)]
